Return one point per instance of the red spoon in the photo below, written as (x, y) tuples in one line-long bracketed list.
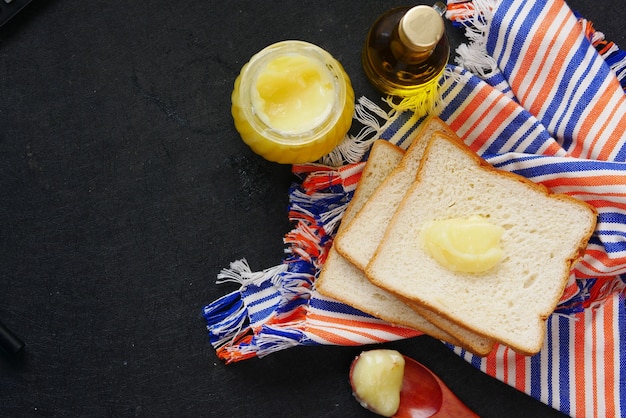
[(423, 394)]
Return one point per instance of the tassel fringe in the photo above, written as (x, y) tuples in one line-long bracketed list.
[(420, 102), (352, 149), (268, 312), (476, 15), (240, 273)]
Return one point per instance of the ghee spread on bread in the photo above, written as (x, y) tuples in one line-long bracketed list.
[(470, 245)]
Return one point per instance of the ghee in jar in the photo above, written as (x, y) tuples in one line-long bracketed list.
[(292, 102), (469, 245)]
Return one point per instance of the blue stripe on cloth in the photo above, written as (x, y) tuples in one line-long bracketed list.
[(550, 353), (225, 317), (553, 167), (525, 27), (261, 301), (292, 305), (498, 81), (614, 247), (397, 125), (555, 109), (517, 128), (329, 305), (535, 376), (607, 233), (272, 339), (563, 329), (476, 361), (581, 105), (501, 161), (621, 155), (223, 307), (612, 218), (578, 106), (459, 96)]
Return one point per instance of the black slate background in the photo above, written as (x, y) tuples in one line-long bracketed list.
[(125, 189)]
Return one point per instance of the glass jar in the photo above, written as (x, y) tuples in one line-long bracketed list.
[(292, 102)]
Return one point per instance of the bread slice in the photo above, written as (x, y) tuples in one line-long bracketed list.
[(544, 235), (358, 241), (471, 341), (342, 281)]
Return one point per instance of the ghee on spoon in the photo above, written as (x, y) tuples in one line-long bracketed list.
[(390, 384)]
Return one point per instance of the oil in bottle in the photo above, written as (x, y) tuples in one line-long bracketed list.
[(405, 54)]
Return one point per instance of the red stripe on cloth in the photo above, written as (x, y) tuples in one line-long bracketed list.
[(579, 366), (553, 148), (554, 64), (356, 325), (594, 357), (470, 107), (520, 373), (339, 338), (351, 175), (609, 365), (602, 257), (601, 203), (585, 181), (529, 56), (594, 114), (570, 291), (331, 337), (491, 362), (497, 121)]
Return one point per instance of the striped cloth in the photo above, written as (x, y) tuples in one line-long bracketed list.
[(538, 92)]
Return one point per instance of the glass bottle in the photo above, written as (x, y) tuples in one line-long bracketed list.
[(405, 54)]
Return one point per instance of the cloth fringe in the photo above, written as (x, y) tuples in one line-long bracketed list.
[(420, 102), (475, 16), (374, 120), (229, 316), (238, 330)]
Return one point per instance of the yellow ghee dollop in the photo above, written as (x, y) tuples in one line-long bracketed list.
[(294, 93), (376, 379), (469, 245)]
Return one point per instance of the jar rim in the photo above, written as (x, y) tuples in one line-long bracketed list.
[(257, 63)]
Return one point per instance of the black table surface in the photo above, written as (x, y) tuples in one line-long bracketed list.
[(125, 189)]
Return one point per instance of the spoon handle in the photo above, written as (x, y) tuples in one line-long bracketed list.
[(451, 406)]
